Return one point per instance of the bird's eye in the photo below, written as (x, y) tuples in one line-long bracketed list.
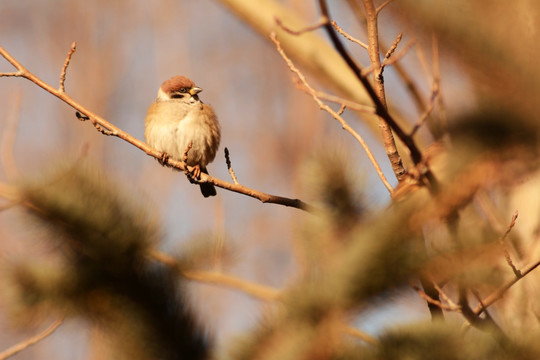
[(184, 90)]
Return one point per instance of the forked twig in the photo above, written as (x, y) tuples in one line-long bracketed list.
[(499, 293), (334, 114)]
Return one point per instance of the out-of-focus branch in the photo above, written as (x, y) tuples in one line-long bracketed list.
[(499, 293), (15, 349), (253, 289), (334, 114), (107, 128)]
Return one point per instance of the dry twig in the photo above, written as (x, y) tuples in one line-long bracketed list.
[(499, 293), (429, 299), (229, 166), (253, 289), (380, 107), (347, 36), (31, 341), (516, 272), (323, 21), (382, 6), (335, 99), (62, 88)]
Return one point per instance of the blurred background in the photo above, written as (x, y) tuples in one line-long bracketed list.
[(125, 50)]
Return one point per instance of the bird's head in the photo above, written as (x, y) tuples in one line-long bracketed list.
[(179, 88)]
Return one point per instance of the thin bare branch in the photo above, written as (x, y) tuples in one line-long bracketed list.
[(323, 21), (379, 91), (62, 88), (347, 36), (336, 99), (211, 277), (15, 349), (382, 6), (400, 55), (107, 128), (516, 272), (437, 80), (499, 293), (360, 334), (229, 166), (429, 299), (334, 114), (445, 297), (429, 110), (407, 79), (393, 47)]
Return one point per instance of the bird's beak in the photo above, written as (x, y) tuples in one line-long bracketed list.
[(194, 91)]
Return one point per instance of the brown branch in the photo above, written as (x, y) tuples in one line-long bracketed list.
[(382, 6), (323, 21), (429, 299), (107, 128), (211, 277), (31, 341), (429, 110), (229, 166), (444, 296), (62, 88), (400, 55), (347, 36), (393, 47), (499, 293), (334, 114), (336, 99), (484, 324), (373, 51), (516, 272)]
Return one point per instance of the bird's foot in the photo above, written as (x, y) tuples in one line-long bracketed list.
[(163, 159), (194, 174)]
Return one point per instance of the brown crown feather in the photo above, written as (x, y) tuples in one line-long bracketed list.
[(176, 83)]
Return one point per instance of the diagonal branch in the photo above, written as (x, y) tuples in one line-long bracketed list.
[(31, 341), (107, 128)]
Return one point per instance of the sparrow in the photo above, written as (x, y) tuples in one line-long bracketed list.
[(178, 118)]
